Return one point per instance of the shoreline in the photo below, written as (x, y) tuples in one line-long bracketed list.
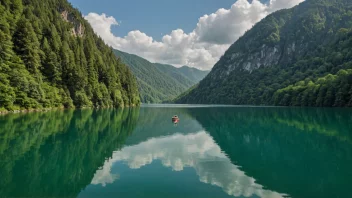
[(5, 112), (23, 111)]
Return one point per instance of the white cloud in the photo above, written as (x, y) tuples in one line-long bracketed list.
[(198, 151), (201, 48), (275, 5), (225, 26)]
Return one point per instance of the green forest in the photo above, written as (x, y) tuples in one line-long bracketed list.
[(160, 82), (51, 58), (330, 90), (310, 51)]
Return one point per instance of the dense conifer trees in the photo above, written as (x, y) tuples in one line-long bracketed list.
[(50, 57)]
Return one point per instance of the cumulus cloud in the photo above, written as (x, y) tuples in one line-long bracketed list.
[(225, 26), (202, 47), (198, 151)]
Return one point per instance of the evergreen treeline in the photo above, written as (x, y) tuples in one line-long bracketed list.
[(50, 57), (159, 82), (309, 43), (330, 90)]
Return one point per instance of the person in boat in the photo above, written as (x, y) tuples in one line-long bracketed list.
[(175, 119)]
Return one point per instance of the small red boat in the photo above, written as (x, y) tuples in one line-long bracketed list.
[(175, 119)]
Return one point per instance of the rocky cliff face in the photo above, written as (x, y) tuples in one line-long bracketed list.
[(273, 41), (78, 28), (264, 57)]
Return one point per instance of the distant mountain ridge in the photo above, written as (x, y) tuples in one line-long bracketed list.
[(294, 57), (160, 82)]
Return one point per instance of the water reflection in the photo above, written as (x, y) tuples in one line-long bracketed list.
[(56, 154), (155, 122), (178, 151), (213, 152), (304, 152)]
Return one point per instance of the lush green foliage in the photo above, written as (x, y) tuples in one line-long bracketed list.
[(305, 43), (50, 57), (330, 90), (160, 82)]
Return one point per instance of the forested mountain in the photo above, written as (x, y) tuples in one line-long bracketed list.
[(160, 82), (193, 75), (50, 57), (294, 57)]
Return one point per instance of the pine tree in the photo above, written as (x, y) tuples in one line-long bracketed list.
[(27, 46)]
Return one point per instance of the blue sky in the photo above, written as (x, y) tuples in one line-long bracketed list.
[(153, 17), (195, 33)]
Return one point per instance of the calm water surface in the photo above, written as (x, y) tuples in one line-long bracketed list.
[(215, 151)]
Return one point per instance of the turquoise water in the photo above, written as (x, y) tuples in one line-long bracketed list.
[(215, 151)]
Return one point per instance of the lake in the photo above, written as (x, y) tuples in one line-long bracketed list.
[(214, 151)]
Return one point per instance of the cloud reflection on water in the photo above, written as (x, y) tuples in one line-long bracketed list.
[(197, 150)]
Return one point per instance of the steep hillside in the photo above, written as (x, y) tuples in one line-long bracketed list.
[(175, 73), (50, 57), (193, 74), (188, 76), (309, 45), (160, 82)]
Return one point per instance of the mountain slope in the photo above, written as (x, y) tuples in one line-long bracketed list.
[(175, 74), (160, 82), (286, 49), (193, 74), (50, 57)]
